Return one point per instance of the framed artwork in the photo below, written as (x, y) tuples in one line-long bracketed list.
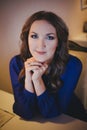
[(83, 4)]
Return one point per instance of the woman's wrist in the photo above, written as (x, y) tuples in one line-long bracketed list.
[(29, 86), (39, 86)]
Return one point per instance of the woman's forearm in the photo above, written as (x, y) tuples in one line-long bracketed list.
[(28, 85), (39, 86)]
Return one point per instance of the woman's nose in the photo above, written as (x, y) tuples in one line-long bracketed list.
[(41, 44)]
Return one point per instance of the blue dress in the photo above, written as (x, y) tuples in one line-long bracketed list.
[(47, 104)]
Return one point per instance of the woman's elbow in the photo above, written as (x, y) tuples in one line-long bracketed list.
[(26, 115)]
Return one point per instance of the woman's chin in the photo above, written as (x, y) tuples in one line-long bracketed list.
[(40, 60)]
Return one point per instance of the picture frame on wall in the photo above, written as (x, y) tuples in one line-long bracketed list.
[(83, 4)]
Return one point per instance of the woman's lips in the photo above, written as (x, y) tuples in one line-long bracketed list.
[(41, 52)]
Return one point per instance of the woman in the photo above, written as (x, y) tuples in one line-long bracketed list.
[(44, 75)]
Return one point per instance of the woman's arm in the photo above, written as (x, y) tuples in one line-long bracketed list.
[(48, 105), (25, 101), (51, 106), (46, 102), (70, 79)]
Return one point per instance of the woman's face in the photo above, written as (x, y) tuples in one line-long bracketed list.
[(42, 41)]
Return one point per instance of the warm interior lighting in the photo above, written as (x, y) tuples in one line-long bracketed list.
[(85, 27)]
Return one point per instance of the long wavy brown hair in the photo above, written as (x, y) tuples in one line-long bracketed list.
[(61, 55)]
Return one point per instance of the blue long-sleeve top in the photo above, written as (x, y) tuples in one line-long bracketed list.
[(48, 104)]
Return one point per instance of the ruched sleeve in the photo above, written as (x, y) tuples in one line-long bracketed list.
[(25, 101), (70, 79), (48, 105)]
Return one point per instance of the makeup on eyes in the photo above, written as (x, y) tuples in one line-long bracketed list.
[(48, 36)]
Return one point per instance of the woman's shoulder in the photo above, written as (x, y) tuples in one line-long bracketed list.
[(74, 62), (74, 59), (73, 67), (16, 60)]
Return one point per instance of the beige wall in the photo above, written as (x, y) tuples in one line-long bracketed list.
[(13, 14)]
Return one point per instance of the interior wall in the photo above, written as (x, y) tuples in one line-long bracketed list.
[(12, 17)]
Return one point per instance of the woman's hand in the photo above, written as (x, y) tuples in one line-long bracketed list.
[(28, 68), (38, 70), (28, 75), (34, 69)]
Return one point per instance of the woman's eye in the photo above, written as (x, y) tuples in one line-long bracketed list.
[(50, 37), (34, 36)]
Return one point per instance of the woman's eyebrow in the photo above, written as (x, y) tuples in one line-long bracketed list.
[(50, 34), (33, 32), (46, 33)]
